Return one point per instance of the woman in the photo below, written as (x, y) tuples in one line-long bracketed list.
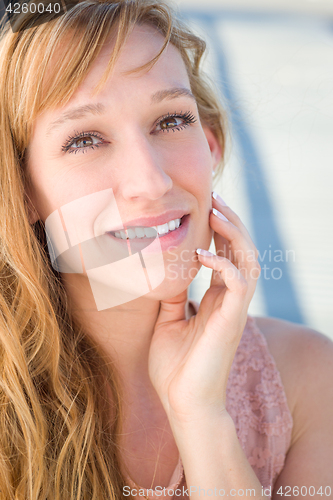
[(109, 388)]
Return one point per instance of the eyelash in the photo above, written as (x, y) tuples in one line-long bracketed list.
[(188, 118)]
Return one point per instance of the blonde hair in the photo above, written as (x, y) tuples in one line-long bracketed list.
[(58, 430)]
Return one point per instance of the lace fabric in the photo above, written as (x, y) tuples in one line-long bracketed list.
[(257, 403)]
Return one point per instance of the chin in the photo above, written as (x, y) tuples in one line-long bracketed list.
[(177, 279)]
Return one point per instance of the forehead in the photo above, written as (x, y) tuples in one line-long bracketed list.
[(141, 46), (124, 92)]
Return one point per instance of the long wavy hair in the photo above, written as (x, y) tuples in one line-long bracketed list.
[(60, 397)]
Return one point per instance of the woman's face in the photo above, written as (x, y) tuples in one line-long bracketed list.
[(141, 153)]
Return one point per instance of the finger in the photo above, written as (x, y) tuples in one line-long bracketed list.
[(235, 301), (172, 309), (225, 210), (234, 220), (242, 254)]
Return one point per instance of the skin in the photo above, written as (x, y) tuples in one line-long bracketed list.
[(172, 367), (173, 166)]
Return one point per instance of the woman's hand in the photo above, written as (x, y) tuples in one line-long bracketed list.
[(190, 360)]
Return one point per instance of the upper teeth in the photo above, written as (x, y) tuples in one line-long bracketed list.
[(148, 232)]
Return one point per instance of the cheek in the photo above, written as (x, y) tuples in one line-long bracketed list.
[(192, 171), (38, 193), (50, 192), (45, 198), (192, 163)]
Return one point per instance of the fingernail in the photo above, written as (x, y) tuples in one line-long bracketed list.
[(200, 251), (219, 215), (218, 198)]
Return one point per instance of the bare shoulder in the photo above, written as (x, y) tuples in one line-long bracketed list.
[(304, 358)]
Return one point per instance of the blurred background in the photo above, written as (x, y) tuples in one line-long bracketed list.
[(272, 62)]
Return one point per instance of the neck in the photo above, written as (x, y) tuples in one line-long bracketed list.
[(124, 333)]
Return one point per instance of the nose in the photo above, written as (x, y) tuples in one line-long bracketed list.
[(143, 175)]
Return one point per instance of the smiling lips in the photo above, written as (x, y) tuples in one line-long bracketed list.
[(147, 232)]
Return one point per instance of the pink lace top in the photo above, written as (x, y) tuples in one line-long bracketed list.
[(257, 403)]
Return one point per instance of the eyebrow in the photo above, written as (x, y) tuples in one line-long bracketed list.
[(169, 94), (100, 109), (76, 113)]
